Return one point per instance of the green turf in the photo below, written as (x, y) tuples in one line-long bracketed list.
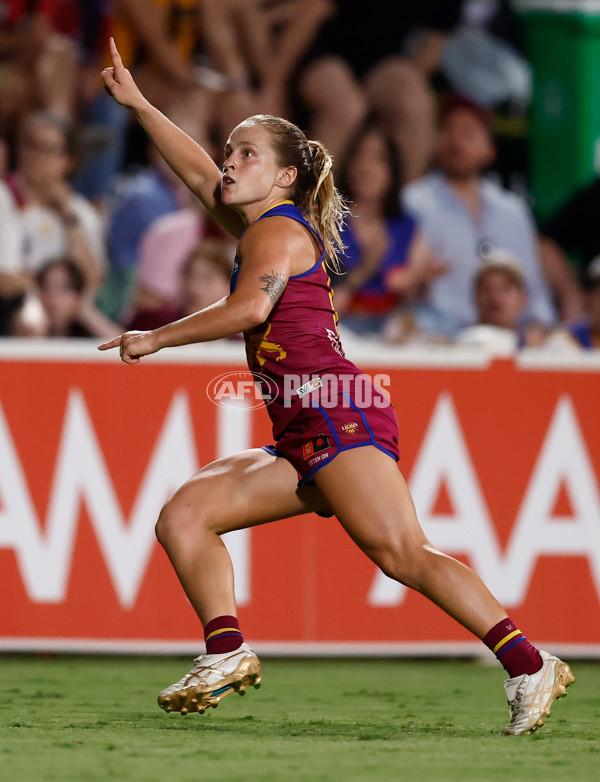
[(90, 719)]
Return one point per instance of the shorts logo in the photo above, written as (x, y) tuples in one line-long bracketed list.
[(351, 428), (315, 445), (318, 458), (311, 385)]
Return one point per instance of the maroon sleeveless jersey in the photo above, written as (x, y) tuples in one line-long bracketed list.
[(299, 341)]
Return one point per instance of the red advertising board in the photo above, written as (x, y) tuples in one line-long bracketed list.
[(502, 458)]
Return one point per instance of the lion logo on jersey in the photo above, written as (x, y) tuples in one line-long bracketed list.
[(258, 345)]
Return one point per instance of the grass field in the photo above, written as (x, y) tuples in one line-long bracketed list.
[(93, 719)]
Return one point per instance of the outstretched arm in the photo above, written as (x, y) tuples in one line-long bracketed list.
[(267, 250), (192, 164)]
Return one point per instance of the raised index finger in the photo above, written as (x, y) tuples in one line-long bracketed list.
[(114, 55)]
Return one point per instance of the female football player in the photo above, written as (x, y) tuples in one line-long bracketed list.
[(336, 438)]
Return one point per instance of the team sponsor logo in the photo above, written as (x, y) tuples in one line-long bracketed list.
[(311, 385), (315, 445), (318, 458)]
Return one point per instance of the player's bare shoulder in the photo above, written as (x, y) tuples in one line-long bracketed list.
[(278, 236), (273, 228)]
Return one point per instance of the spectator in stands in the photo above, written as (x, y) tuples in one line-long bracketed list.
[(161, 39), (103, 123), (500, 296), (466, 217), (162, 252), (571, 236), (500, 299), (38, 64), (41, 217), (386, 260), (484, 57), (67, 309), (203, 279), (378, 56), (587, 330), (255, 47), (140, 196)]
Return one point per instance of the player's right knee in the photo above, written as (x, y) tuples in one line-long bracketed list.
[(176, 519), (163, 526)]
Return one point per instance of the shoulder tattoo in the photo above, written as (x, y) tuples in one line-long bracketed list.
[(274, 285)]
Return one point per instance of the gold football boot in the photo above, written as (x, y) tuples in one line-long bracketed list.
[(212, 678), (530, 696)]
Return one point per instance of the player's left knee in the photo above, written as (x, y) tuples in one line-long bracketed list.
[(405, 561)]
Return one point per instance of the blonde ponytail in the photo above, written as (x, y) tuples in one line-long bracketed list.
[(326, 206)]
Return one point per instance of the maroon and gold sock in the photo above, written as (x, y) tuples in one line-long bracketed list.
[(512, 649), (222, 635)]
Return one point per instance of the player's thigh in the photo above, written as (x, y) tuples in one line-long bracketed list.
[(366, 491), (250, 488)]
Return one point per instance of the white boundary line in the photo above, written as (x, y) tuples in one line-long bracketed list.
[(233, 352), (469, 649), (586, 361), (86, 351), (362, 352)]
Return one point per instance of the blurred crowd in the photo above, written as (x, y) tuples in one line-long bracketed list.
[(98, 235)]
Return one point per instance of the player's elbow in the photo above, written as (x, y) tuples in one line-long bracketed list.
[(258, 312), (249, 313)]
